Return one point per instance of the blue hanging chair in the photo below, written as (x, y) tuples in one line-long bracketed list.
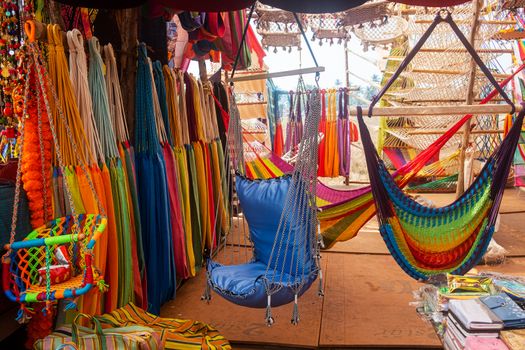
[(282, 221)]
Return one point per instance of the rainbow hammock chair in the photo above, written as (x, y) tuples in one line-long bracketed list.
[(281, 217), (427, 241), (24, 261)]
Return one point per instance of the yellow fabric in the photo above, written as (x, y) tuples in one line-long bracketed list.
[(203, 192), (180, 155)]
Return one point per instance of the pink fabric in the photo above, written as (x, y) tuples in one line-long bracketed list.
[(177, 231), (479, 343)]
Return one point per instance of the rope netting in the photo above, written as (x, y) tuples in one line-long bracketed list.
[(439, 75)]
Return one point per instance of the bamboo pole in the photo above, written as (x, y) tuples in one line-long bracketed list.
[(281, 74), (441, 131), (448, 72), (494, 22), (430, 49), (202, 71), (460, 188), (432, 111)]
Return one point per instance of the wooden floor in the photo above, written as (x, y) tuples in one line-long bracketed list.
[(366, 302)]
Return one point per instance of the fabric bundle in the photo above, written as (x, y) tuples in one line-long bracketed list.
[(79, 79), (153, 193), (127, 157), (121, 271)]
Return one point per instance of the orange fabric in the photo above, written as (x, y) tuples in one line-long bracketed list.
[(111, 272), (92, 302)]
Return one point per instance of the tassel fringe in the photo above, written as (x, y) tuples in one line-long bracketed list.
[(269, 319), (207, 292), (295, 313)]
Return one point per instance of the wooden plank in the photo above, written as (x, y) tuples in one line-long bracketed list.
[(438, 110), (367, 305)]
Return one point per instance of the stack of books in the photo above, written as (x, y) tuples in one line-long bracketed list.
[(469, 319), (511, 315)]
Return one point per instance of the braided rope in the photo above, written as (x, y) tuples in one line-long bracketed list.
[(299, 210)]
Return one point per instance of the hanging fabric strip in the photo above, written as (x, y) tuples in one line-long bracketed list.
[(153, 192), (128, 165)]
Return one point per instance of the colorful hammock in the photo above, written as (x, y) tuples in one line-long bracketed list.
[(427, 241)]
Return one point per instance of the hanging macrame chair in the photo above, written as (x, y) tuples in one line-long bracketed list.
[(426, 241), (27, 264), (281, 217)]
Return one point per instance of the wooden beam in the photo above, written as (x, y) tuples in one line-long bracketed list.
[(483, 21), (449, 72), (442, 131), (460, 188), (430, 49), (413, 111), (414, 101), (281, 74)]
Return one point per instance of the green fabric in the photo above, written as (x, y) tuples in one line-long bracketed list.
[(120, 203), (130, 166), (195, 211)]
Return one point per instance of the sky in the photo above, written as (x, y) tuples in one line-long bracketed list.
[(331, 57)]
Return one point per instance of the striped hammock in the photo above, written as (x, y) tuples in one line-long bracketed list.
[(426, 241)]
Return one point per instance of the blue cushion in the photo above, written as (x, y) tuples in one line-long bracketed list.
[(262, 202), (246, 284)]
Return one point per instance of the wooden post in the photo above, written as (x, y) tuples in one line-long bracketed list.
[(127, 21), (470, 96), (347, 81), (202, 71)]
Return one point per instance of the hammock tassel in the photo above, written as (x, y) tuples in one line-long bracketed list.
[(320, 236), (320, 292), (71, 305), (207, 291), (269, 319), (24, 314), (295, 313), (103, 287)]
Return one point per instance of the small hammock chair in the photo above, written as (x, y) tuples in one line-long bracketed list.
[(282, 222), (27, 264), (427, 241)]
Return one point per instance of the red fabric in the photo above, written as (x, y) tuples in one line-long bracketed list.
[(322, 129), (205, 5), (354, 133), (278, 140), (432, 3), (255, 46)]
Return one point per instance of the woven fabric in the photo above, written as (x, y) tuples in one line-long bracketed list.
[(427, 241), (176, 333)]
